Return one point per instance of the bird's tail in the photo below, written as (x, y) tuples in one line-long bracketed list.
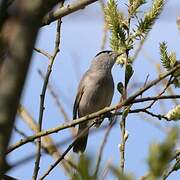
[(81, 141)]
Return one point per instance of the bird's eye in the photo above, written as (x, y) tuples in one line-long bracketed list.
[(110, 53)]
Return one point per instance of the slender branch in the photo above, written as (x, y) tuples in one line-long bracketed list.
[(155, 115), (42, 97), (58, 102), (59, 144), (55, 97), (177, 153), (123, 141), (6, 177), (149, 85), (102, 148), (61, 12), (92, 115), (171, 170), (48, 144), (167, 172), (124, 98), (43, 53), (161, 93), (155, 98), (106, 169), (66, 151), (105, 28), (20, 132)]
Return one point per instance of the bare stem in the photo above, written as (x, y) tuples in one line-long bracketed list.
[(61, 12), (42, 97), (66, 151), (102, 148)]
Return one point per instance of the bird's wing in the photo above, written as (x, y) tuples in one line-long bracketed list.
[(77, 101)]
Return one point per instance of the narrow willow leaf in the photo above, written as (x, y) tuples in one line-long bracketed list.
[(117, 25), (150, 17), (169, 61), (134, 5)]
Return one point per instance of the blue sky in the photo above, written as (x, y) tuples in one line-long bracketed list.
[(81, 36)]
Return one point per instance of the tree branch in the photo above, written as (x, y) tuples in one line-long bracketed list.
[(61, 12), (104, 111), (43, 93), (66, 151)]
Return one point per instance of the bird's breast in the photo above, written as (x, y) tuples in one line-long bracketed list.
[(97, 94)]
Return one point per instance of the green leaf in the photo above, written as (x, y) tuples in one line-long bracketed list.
[(120, 88), (150, 17), (83, 169), (168, 61), (119, 175), (128, 74), (117, 25), (134, 5), (160, 154)]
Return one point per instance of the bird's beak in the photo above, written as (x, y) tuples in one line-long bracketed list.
[(117, 54)]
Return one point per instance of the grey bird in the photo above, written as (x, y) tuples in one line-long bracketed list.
[(95, 92)]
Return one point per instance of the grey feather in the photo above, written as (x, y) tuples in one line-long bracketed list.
[(94, 93)]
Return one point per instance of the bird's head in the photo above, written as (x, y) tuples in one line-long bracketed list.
[(104, 60)]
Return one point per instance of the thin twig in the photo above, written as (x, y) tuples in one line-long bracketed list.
[(124, 98), (105, 28), (161, 93), (171, 170), (59, 144), (44, 53), (48, 144), (159, 116), (61, 12), (102, 148), (167, 172), (42, 97), (55, 97), (155, 98), (58, 103), (122, 145), (66, 151), (106, 169), (20, 132), (177, 154)]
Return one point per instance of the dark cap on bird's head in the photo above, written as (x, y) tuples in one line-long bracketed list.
[(105, 60)]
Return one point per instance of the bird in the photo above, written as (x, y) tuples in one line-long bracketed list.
[(95, 92)]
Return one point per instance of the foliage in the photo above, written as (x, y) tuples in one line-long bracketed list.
[(161, 154), (134, 6), (150, 17), (83, 169), (169, 61), (123, 37), (116, 24)]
